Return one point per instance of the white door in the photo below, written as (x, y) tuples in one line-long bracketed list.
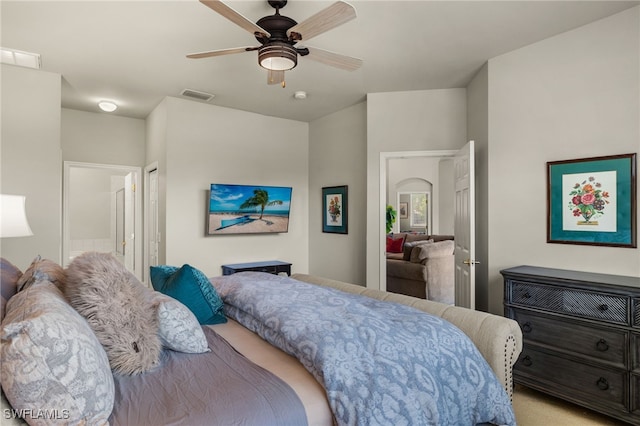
[(129, 221), (153, 233), (465, 227)]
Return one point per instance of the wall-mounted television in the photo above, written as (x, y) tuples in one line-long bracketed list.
[(248, 209)]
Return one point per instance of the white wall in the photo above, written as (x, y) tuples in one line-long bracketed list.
[(575, 95), (31, 160), (426, 120), (209, 144), (102, 138), (337, 156)]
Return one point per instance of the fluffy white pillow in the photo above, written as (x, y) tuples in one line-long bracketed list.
[(53, 367), (105, 293)]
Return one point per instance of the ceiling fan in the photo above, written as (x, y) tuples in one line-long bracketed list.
[(279, 34)]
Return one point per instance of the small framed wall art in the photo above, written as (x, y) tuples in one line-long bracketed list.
[(592, 201), (404, 210), (335, 209)]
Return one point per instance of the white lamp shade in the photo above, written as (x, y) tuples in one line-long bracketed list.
[(13, 217)]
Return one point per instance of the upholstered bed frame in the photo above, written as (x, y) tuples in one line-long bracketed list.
[(498, 339)]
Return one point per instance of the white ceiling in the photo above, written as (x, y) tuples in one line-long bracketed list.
[(133, 52)]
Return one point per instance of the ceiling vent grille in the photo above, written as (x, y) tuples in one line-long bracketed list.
[(20, 58), (195, 94)]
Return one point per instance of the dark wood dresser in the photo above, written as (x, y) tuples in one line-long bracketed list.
[(581, 336)]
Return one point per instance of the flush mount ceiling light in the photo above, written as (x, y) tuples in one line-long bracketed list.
[(107, 106), (300, 94), (20, 58)]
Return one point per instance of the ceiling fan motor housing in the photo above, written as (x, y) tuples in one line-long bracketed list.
[(278, 56), (277, 52)]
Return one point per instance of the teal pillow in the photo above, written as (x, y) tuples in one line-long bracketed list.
[(192, 288)]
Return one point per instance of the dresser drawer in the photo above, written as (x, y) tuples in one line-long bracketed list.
[(636, 313), (635, 392), (635, 352), (604, 387), (601, 344), (579, 303)]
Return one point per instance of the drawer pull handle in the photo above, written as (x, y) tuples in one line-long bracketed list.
[(526, 327), (602, 383), (527, 295), (527, 361), (602, 345), (603, 307)]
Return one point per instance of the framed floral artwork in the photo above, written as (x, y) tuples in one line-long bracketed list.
[(592, 201), (404, 210), (334, 209)]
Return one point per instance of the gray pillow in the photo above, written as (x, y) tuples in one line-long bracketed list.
[(433, 250), (105, 293), (41, 270), (9, 276), (178, 327), (52, 362), (408, 248)]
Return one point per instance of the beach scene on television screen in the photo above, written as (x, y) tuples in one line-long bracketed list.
[(248, 209)]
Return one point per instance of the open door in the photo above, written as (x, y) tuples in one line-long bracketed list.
[(129, 221), (465, 227)]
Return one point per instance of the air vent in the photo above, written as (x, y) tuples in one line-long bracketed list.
[(201, 96), (20, 58)]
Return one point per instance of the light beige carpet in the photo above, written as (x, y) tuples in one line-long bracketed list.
[(534, 408)]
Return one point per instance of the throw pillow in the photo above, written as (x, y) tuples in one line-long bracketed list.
[(408, 248), (9, 275), (42, 269), (179, 329), (52, 361), (436, 249), (394, 245), (192, 288), (103, 291)]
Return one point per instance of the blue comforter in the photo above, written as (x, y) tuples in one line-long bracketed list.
[(380, 363)]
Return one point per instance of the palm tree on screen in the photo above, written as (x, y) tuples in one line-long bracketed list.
[(260, 199)]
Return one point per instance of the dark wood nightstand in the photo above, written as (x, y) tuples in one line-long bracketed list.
[(269, 266)]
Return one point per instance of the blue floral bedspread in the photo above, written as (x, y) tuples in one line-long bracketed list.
[(380, 363)]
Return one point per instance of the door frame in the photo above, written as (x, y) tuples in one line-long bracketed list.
[(147, 220), (137, 232), (384, 156)]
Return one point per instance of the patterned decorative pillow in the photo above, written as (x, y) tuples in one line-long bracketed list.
[(9, 276), (42, 270), (192, 288), (53, 367), (106, 294), (179, 329)]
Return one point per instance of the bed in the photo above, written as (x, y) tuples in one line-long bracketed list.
[(285, 378)]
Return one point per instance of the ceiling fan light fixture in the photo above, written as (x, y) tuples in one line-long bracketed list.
[(277, 56)]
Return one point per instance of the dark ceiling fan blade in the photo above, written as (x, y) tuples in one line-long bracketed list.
[(334, 59), (323, 21), (235, 17), (221, 52)]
